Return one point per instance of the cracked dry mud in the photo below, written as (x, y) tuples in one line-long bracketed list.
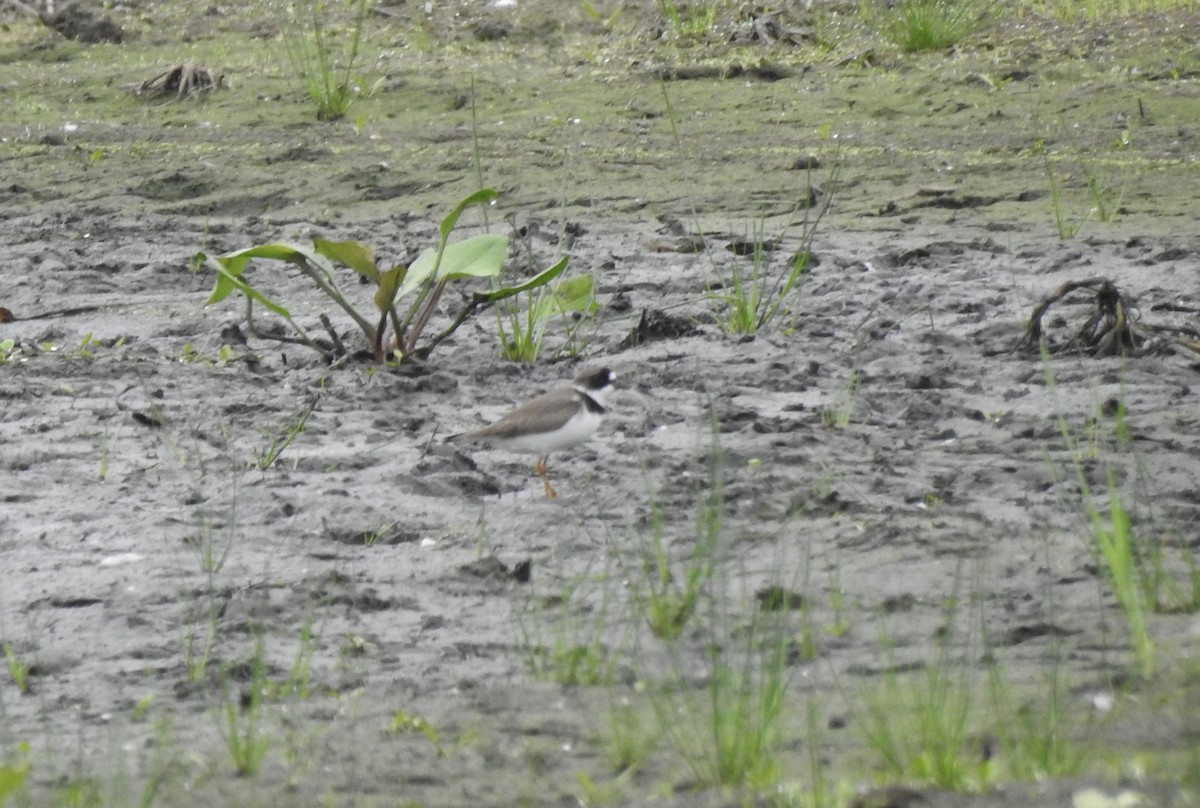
[(131, 440)]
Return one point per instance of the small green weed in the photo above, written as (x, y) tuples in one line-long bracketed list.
[(299, 679), (279, 441), (750, 300), (1105, 200), (919, 723), (1037, 739), (197, 652), (562, 637), (190, 354), (1071, 11), (1134, 569), (80, 792), (405, 724), (727, 732), (18, 671), (1117, 549), (247, 743), (631, 734), (9, 352), (756, 298), (327, 76), (599, 17), (13, 775), (666, 605), (690, 18), (840, 414)]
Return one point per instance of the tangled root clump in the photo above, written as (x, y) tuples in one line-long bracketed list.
[(182, 81), (1113, 327)]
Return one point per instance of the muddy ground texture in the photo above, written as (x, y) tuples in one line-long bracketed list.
[(883, 452)]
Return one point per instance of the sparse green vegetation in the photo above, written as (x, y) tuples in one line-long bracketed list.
[(699, 629), (690, 18), (950, 724)]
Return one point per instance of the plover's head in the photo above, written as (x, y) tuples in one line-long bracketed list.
[(597, 383)]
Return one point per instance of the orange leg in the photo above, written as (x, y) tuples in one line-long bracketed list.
[(540, 468)]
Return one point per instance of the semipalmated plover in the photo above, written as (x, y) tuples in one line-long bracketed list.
[(553, 421)]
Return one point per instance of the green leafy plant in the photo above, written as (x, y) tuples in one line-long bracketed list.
[(919, 25), (522, 333), (327, 76), (480, 256)]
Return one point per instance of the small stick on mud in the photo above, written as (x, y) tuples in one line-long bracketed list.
[(338, 348)]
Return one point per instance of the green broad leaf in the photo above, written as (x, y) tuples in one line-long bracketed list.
[(541, 279), (225, 270), (388, 283), (282, 251), (354, 254), (575, 294), (418, 272), (477, 257), (484, 196), (241, 285)]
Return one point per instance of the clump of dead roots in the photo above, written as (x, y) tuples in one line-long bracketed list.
[(1111, 327), (182, 81)]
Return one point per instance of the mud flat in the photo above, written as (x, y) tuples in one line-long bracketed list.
[(876, 502)]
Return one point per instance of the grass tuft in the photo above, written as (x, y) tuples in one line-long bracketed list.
[(922, 25), (327, 77)]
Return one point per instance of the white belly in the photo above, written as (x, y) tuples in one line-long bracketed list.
[(581, 425)]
